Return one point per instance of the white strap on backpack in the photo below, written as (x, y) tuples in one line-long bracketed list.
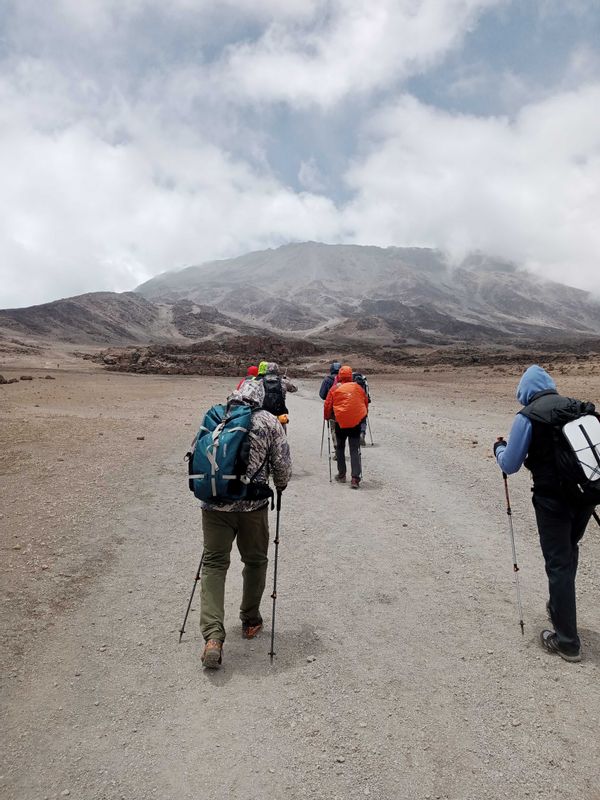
[(583, 435)]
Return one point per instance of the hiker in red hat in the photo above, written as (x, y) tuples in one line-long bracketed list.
[(348, 402), (250, 376)]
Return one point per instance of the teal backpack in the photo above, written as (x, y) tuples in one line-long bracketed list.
[(218, 457)]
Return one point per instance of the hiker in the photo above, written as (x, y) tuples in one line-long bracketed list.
[(362, 381), (348, 402), (250, 376), (326, 385), (276, 388), (247, 520), (561, 516)]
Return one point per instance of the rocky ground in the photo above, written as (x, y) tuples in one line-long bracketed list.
[(400, 671)]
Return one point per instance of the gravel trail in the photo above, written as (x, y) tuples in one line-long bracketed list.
[(400, 669)]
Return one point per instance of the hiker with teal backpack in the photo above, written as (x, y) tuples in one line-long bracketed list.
[(558, 439), (238, 447)]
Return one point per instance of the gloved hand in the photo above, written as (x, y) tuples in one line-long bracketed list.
[(281, 489), (500, 442)]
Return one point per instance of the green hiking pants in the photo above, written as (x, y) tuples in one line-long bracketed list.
[(220, 528)]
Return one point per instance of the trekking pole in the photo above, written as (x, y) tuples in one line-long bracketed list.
[(329, 451), (514, 553), (370, 432), (196, 579), (274, 595), (322, 437), (596, 517)]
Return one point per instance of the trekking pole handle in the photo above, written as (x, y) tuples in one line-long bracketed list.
[(279, 493)]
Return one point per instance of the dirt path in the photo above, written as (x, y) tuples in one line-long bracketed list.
[(421, 684)]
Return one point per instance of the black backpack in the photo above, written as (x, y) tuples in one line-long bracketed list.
[(577, 446), (274, 401), (576, 442), (359, 378)]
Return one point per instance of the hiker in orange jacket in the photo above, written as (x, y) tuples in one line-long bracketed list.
[(348, 402)]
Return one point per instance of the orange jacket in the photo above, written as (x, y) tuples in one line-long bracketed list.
[(348, 403)]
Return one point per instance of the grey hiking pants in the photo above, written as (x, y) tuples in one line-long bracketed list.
[(353, 437)]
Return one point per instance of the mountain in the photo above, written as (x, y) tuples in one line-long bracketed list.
[(99, 317), (352, 291), (111, 318), (334, 295)]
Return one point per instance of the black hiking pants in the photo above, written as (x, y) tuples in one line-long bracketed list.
[(561, 526), (353, 437)]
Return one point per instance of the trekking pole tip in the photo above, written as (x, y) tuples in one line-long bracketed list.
[(522, 624)]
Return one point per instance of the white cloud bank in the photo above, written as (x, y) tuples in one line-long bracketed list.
[(528, 189), (109, 177), (346, 47)]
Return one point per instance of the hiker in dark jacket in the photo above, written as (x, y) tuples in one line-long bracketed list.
[(275, 390), (246, 520), (328, 380), (561, 519), (326, 385), (362, 381)]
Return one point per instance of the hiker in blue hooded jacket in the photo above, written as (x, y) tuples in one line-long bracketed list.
[(561, 519)]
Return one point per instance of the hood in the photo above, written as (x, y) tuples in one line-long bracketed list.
[(250, 392), (345, 374), (252, 372), (335, 367), (534, 380), (262, 367), (272, 368)]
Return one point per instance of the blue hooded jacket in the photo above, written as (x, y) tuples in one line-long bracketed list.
[(510, 458)]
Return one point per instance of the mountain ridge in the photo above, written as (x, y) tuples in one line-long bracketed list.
[(327, 293)]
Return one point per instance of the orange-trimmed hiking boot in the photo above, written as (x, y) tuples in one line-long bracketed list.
[(355, 483), (212, 655), (251, 627)]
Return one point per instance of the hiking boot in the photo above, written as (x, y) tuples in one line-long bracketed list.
[(355, 483), (340, 478), (550, 643), (250, 627), (212, 655)]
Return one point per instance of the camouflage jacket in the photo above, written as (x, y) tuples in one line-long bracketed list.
[(269, 456)]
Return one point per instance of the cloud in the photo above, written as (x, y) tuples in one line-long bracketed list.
[(139, 137), (526, 189), (81, 210), (309, 176), (353, 47)]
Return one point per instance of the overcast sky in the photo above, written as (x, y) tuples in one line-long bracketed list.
[(138, 136)]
